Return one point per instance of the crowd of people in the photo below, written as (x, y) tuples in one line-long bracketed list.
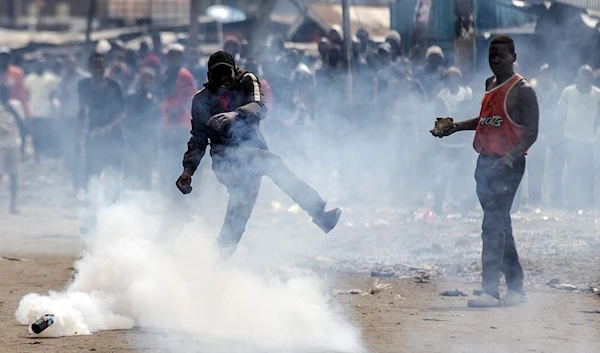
[(127, 112)]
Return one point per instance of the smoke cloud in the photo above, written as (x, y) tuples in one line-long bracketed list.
[(139, 270)]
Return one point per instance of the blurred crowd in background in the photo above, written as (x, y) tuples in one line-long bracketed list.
[(129, 109)]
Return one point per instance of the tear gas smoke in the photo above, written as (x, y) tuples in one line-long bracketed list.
[(139, 270)]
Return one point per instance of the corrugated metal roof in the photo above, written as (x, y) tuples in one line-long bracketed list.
[(374, 19), (584, 4)]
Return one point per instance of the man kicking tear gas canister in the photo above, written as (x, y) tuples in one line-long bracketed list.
[(506, 128), (226, 114)]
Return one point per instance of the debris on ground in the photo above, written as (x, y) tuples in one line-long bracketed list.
[(423, 277), (591, 311), (399, 297), (351, 292), (453, 293), (553, 282), (377, 288), (565, 286), (477, 292), (383, 273), (9, 258)]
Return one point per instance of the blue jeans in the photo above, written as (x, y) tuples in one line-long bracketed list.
[(496, 189)]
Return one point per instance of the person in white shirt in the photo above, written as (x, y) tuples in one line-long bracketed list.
[(546, 160), (41, 85), (578, 107), (11, 125), (453, 100)]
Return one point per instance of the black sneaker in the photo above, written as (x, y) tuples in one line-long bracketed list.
[(328, 219)]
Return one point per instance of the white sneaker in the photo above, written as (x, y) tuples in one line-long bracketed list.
[(484, 301), (514, 298)]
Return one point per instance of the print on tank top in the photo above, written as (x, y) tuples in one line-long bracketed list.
[(496, 132)]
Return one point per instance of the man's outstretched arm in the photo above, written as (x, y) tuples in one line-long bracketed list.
[(199, 140), (466, 125)]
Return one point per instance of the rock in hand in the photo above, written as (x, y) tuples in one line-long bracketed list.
[(442, 125)]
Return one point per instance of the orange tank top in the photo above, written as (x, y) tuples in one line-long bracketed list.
[(496, 132)]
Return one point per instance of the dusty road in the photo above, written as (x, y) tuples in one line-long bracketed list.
[(408, 317), (38, 248)]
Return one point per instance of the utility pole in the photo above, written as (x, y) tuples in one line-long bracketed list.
[(260, 25), (90, 22), (12, 13), (348, 54), (195, 11)]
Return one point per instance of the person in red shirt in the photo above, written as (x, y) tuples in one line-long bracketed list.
[(15, 78), (178, 89), (506, 128)]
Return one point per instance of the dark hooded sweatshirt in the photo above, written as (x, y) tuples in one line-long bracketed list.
[(244, 97)]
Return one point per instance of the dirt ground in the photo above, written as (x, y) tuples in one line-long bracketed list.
[(38, 248), (408, 317)]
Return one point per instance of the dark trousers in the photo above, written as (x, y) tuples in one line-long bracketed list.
[(496, 188), (241, 171)]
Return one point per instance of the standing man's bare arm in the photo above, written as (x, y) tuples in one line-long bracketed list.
[(526, 113)]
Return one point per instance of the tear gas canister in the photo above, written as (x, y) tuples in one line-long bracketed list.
[(43, 323)]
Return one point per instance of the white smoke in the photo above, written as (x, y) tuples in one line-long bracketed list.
[(140, 270)]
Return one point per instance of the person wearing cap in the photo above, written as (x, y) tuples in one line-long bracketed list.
[(432, 74), (323, 48), (336, 35), (15, 78), (178, 88), (395, 42), (226, 115)]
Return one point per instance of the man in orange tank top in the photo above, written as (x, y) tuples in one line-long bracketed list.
[(506, 128)]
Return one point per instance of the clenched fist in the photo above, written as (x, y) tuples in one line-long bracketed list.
[(184, 183)]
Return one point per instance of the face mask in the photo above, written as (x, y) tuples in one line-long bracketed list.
[(223, 90)]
